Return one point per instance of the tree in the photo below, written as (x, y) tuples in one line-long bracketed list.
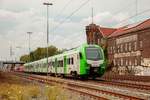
[(24, 58), (40, 53)]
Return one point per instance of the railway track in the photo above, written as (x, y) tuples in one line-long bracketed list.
[(128, 85), (134, 78), (91, 91)]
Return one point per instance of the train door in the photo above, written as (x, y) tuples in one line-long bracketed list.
[(60, 69), (65, 65), (50, 65), (72, 64), (75, 63), (55, 65)]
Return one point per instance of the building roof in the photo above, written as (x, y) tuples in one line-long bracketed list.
[(106, 31), (131, 28)]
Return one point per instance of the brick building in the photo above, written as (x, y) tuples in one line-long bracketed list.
[(128, 47), (98, 35)]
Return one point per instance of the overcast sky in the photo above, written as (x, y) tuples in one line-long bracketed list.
[(17, 17)]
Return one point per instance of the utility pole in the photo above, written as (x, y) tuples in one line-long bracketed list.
[(47, 5), (29, 45), (92, 10), (136, 9)]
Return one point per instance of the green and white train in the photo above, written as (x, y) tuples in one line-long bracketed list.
[(84, 61)]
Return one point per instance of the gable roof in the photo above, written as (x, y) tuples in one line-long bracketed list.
[(106, 31)]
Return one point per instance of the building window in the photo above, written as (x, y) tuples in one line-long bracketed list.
[(126, 49), (141, 44), (135, 62), (118, 62), (130, 46), (114, 62), (121, 47), (126, 62), (141, 60), (135, 46), (130, 62), (121, 62), (114, 49), (111, 50), (118, 49)]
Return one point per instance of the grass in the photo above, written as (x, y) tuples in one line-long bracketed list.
[(14, 88)]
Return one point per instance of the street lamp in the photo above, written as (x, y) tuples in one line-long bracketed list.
[(47, 5), (29, 45)]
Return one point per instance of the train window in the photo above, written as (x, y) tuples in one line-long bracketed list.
[(72, 61), (69, 61), (61, 63), (58, 64), (80, 54), (53, 64), (93, 54)]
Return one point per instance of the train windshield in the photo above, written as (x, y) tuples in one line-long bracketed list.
[(93, 54)]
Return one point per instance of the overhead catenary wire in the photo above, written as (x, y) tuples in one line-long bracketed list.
[(52, 30), (121, 10), (68, 17), (62, 22), (64, 8), (147, 10), (79, 9)]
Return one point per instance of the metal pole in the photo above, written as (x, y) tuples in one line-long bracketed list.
[(92, 9), (29, 45), (47, 36), (47, 5)]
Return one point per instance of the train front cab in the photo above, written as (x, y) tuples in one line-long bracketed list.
[(92, 62)]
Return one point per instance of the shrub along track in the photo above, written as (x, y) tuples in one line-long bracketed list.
[(92, 91)]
